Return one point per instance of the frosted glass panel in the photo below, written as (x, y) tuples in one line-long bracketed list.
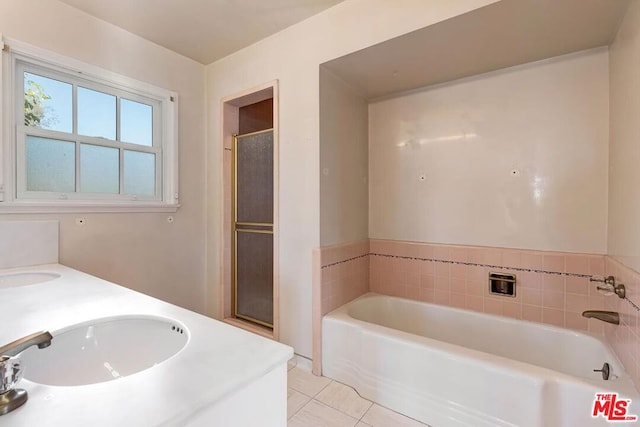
[(99, 169), (96, 114), (139, 173), (136, 122), (254, 175), (51, 165), (48, 103), (254, 267)]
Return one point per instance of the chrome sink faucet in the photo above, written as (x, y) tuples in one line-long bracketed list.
[(41, 339), (11, 370)]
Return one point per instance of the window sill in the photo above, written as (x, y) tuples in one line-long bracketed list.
[(80, 207)]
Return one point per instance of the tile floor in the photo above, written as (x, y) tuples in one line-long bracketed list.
[(320, 402)]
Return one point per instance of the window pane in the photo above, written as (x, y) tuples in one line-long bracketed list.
[(96, 114), (48, 103), (99, 169), (51, 165), (139, 173), (136, 122)]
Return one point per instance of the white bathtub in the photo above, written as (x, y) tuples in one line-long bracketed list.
[(451, 367)]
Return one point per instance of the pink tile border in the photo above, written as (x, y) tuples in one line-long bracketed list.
[(316, 311), (552, 287)]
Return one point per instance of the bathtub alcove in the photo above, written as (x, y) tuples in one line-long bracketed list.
[(486, 132)]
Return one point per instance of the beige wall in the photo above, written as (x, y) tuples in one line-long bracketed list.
[(515, 158), (293, 56), (624, 157), (141, 251), (344, 156)]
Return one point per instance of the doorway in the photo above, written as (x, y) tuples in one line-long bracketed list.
[(250, 275)]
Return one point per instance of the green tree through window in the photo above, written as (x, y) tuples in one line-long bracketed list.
[(35, 110)]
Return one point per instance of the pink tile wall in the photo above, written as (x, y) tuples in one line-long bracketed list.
[(552, 287), (625, 338), (340, 274), (344, 274)]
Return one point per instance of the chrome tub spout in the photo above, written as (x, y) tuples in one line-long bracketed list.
[(606, 316), (41, 339)]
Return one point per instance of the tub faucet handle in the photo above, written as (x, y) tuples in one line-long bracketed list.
[(609, 280), (611, 285)]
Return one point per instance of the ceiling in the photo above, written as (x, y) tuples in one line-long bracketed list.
[(203, 30), (500, 35)]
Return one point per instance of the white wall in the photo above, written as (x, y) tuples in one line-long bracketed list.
[(141, 251), (293, 56), (624, 154), (344, 162), (547, 120)]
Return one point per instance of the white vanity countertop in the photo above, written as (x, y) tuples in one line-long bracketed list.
[(218, 359)]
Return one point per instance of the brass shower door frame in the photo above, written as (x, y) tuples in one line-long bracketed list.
[(245, 227)]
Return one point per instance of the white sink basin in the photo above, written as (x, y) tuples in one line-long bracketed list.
[(24, 279), (104, 350)]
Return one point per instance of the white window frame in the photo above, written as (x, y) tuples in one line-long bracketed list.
[(18, 57)]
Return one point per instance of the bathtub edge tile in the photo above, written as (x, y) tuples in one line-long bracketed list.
[(295, 402), (377, 416), (305, 382), (315, 411), (345, 399)]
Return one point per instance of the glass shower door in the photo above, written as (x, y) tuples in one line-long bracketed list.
[(253, 227)]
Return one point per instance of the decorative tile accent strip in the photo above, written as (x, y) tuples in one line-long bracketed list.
[(473, 264), (633, 304), (345, 261)]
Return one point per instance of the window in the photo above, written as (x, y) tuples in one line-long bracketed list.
[(80, 138)]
